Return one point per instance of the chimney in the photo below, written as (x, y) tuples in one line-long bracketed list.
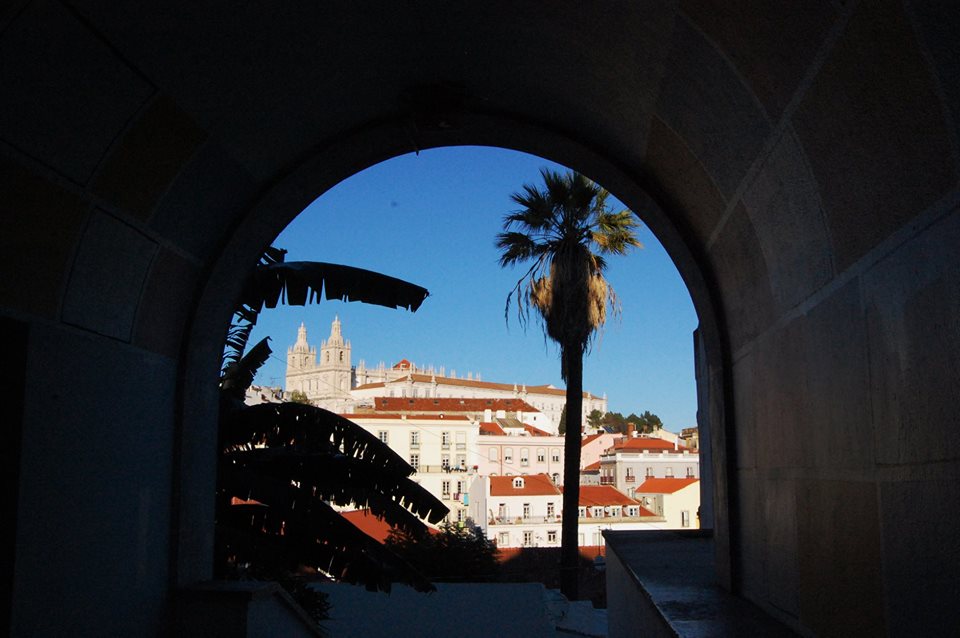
[(631, 430)]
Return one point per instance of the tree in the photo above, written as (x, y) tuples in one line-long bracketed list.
[(299, 396), (564, 229), (281, 464), (562, 429), (595, 418), (454, 554)]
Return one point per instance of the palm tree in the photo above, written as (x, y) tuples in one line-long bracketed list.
[(281, 464), (564, 229)]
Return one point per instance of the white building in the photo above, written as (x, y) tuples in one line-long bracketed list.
[(677, 500), (525, 511), (334, 384), (442, 448), (509, 451), (632, 460)]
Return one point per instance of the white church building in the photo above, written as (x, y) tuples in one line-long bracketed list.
[(329, 380)]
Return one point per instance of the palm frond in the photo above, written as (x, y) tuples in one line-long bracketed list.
[(300, 282), (238, 375)]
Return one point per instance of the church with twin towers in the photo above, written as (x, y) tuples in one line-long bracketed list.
[(328, 379)]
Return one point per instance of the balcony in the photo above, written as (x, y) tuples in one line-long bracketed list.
[(442, 469), (608, 480), (630, 478), (520, 520)]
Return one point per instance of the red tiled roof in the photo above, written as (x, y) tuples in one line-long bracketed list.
[(487, 427), (593, 467), (665, 485), (640, 444), (447, 404), (590, 552), (533, 485), (593, 495), (402, 364), (376, 528), (589, 439), (356, 416), (532, 431), (473, 383)]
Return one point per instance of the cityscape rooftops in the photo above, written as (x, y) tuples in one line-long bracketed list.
[(664, 485), (527, 485)]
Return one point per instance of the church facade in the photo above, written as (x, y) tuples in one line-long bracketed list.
[(330, 381)]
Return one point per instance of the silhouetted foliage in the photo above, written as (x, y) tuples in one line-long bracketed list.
[(282, 464), (455, 554)]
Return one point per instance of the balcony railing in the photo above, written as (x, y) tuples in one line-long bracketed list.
[(445, 469), (630, 478), (607, 480), (539, 520)]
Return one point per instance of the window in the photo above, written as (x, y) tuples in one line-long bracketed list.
[(541, 455), (551, 536), (460, 487), (649, 473), (445, 440), (384, 436), (462, 461), (461, 440), (445, 462), (550, 510), (689, 472), (503, 539), (555, 456), (526, 510), (494, 454), (669, 472), (415, 440), (685, 518), (341, 356), (508, 455), (597, 512), (502, 511), (415, 461), (633, 510), (524, 456), (556, 478), (445, 488), (518, 482), (527, 539), (461, 515), (582, 512)]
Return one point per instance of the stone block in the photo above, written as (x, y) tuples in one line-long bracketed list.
[(874, 131), (913, 324), (778, 508), (780, 395), (784, 207), (704, 101), (770, 43), (921, 556), (66, 96), (745, 381), (682, 183), (95, 482), (838, 538), (42, 222), (741, 271), (837, 415), (750, 533), (938, 32), (108, 277), (208, 197), (147, 158), (169, 295)]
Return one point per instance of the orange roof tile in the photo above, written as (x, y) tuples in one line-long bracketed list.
[(532, 431), (487, 427), (665, 485), (593, 467), (376, 528), (447, 404), (473, 383), (593, 495), (359, 416), (533, 485)]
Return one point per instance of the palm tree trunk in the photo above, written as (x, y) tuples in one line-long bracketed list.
[(569, 545)]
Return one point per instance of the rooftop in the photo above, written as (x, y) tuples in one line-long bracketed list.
[(665, 485), (533, 485)]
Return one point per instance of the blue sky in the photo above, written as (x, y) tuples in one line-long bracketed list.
[(432, 219)]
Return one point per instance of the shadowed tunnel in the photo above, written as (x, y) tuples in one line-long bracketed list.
[(799, 161)]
